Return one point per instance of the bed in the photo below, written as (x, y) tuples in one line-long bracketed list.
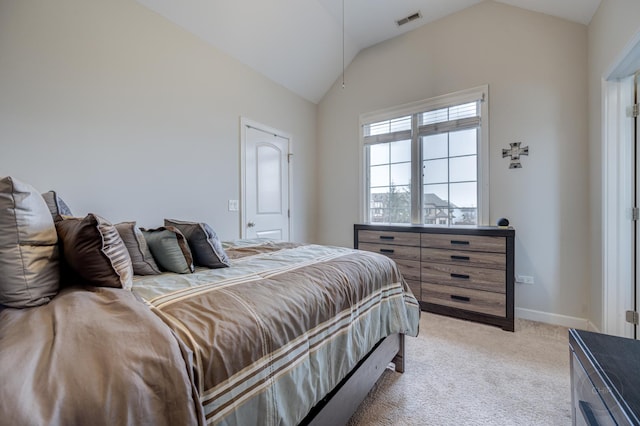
[(277, 338)]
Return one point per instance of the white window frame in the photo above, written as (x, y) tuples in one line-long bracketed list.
[(456, 98)]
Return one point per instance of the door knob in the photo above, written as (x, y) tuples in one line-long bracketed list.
[(251, 224)]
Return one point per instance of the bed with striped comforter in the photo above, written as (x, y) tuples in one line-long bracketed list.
[(279, 329)]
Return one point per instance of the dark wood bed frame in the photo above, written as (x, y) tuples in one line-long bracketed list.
[(338, 407)]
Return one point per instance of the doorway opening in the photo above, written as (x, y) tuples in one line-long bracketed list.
[(621, 197)]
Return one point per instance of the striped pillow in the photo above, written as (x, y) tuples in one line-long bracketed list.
[(95, 251)]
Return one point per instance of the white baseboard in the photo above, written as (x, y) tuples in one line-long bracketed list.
[(555, 319)]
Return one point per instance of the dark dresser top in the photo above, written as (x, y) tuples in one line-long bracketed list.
[(616, 361)]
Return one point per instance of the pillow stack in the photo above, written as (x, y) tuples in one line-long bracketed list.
[(203, 242), (39, 238), (179, 246)]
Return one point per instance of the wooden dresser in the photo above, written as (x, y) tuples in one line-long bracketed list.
[(463, 272), (605, 379)]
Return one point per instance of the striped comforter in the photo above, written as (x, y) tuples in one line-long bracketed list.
[(275, 332)]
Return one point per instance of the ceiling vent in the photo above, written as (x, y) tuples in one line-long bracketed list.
[(409, 18)]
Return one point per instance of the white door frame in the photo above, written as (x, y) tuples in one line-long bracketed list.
[(617, 193), (244, 123)]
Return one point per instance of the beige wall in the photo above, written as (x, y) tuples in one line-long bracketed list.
[(535, 66), (131, 117), (613, 26)]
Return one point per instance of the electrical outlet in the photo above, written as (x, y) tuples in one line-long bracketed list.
[(524, 279), (233, 205)]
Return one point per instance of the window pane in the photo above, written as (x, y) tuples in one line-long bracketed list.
[(390, 205), (436, 116), (399, 124), (379, 176), (465, 217), (401, 174), (400, 151), (464, 194), (379, 154), (399, 204), (463, 169), (435, 208), (388, 126), (435, 171), (434, 146), (436, 195), (463, 111), (464, 142), (378, 205)]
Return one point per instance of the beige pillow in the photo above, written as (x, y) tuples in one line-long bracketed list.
[(141, 257), (95, 251), (29, 268)]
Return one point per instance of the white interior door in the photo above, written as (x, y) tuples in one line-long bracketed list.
[(265, 212)]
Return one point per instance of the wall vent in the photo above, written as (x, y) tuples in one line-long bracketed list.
[(409, 18)]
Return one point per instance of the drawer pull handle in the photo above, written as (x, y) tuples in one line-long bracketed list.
[(461, 298), (587, 414), (461, 276), (460, 242), (386, 250), (387, 237), (460, 258)]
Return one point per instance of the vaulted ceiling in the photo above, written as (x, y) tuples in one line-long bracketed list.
[(299, 43)]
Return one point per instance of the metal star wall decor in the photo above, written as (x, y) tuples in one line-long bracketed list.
[(515, 152)]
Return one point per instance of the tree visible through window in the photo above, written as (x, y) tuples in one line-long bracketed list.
[(439, 146)]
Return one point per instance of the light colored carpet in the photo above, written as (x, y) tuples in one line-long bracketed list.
[(462, 373)]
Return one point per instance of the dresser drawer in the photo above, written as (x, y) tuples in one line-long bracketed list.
[(464, 258), (464, 276), (410, 269), (589, 408), (465, 242), (389, 237), (463, 298), (392, 250)]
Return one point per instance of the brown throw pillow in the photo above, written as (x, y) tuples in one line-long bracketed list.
[(94, 250), (141, 257)]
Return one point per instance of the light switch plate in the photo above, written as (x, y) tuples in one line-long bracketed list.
[(233, 205)]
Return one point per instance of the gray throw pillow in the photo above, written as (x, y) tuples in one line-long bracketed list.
[(56, 205), (170, 249), (29, 268), (95, 251), (204, 243), (141, 257)]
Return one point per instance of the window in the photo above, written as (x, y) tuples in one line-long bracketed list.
[(424, 163)]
